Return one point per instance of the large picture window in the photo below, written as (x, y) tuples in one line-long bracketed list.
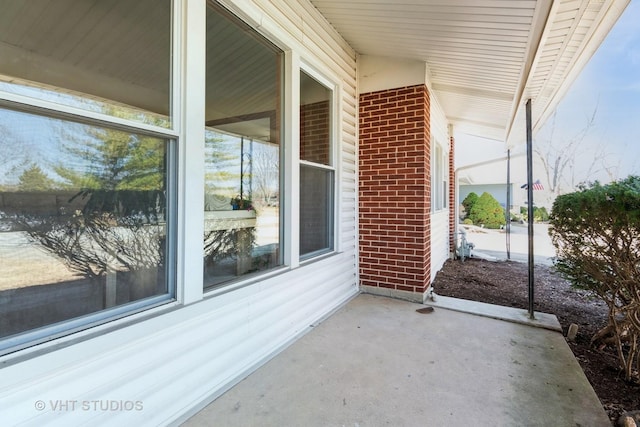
[(243, 148), (317, 174), (86, 200)]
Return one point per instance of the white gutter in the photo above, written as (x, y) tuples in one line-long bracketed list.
[(540, 30)]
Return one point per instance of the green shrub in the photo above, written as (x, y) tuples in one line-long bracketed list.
[(467, 221), (596, 233), (488, 212), (469, 201), (540, 214)]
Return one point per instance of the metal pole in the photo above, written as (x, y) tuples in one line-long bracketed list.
[(530, 205), (241, 167), (508, 213), (251, 169)]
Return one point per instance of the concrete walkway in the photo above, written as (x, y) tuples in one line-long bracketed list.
[(378, 362)]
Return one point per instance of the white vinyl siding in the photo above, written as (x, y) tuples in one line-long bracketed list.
[(439, 240), (440, 214)]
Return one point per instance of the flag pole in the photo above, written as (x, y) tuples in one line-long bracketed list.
[(530, 206)]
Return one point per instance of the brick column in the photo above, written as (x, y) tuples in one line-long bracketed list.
[(395, 192), (452, 196)]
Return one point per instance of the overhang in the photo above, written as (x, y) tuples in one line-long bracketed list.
[(484, 58)]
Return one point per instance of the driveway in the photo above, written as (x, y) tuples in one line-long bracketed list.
[(494, 242)]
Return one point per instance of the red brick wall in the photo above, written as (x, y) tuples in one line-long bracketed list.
[(452, 195), (394, 180)]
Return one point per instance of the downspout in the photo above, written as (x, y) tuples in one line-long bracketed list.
[(454, 246), (456, 217)]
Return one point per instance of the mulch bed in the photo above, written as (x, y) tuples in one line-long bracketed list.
[(506, 283)]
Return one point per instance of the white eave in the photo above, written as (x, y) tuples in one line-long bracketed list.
[(485, 58)]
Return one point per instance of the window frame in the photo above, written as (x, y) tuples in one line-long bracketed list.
[(45, 333), (439, 174), (334, 156), (244, 23)]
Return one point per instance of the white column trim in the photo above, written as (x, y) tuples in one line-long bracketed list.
[(191, 151), (291, 143)]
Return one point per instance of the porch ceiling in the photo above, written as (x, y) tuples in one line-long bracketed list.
[(484, 57)]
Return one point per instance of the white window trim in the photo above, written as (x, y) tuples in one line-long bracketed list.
[(317, 165), (65, 112), (291, 142), (191, 27)]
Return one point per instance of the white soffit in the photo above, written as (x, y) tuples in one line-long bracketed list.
[(484, 57), (574, 32)]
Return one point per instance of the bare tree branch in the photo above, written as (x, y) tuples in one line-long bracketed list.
[(561, 159)]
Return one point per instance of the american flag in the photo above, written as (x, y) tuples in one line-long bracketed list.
[(537, 185)]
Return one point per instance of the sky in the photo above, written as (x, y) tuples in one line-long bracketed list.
[(610, 85)]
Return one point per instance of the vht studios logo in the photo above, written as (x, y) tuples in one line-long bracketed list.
[(103, 405)]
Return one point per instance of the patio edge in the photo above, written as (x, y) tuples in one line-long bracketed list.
[(509, 314)]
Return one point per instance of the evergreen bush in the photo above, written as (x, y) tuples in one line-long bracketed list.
[(487, 211), (596, 233), (468, 202)]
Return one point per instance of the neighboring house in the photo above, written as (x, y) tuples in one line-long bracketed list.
[(238, 170), (491, 176)]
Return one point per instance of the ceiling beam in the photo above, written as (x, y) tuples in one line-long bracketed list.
[(480, 93)]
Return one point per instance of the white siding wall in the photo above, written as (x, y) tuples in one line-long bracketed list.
[(439, 240), (440, 219), (439, 124), (179, 360)]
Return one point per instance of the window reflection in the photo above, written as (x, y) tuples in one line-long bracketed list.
[(90, 54), (241, 207), (316, 169), (316, 210), (242, 164), (82, 219)]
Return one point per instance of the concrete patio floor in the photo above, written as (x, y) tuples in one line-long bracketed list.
[(378, 362)]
